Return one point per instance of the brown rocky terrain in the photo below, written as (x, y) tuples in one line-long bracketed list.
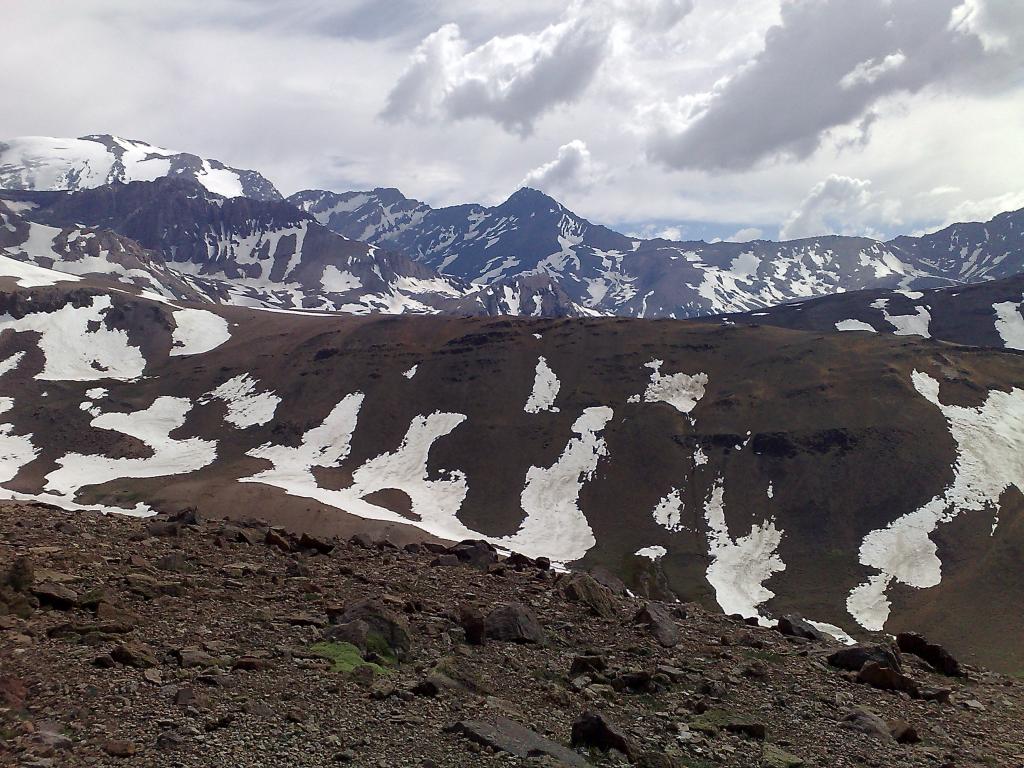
[(183, 642)]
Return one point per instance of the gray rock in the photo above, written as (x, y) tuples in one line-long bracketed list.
[(854, 657), (866, 721), (514, 623), (593, 729), (506, 735), (659, 619), (795, 626)]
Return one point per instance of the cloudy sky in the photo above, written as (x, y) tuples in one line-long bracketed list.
[(694, 118)]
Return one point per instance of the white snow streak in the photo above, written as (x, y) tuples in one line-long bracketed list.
[(30, 276), (990, 459), (854, 325), (555, 526), (740, 567), (10, 362)]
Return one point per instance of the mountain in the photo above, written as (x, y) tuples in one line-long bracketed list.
[(41, 254), (866, 481), (469, 259), (250, 641), (45, 163), (986, 314), (609, 273), (245, 252), (372, 217)]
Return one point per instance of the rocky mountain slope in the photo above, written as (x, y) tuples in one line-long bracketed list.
[(891, 464), (45, 163), (986, 314), (609, 273), (176, 642), (233, 251)]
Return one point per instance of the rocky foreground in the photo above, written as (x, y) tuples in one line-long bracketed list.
[(181, 642)]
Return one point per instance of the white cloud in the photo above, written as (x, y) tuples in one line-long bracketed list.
[(572, 168), (745, 235), (515, 79), (868, 71), (826, 65), (999, 24), (512, 80), (839, 205), (985, 209)]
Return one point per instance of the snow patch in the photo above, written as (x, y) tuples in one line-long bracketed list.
[(76, 352), (854, 325), (545, 389), (335, 280), (680, 390), (654, 553), (668, 513), (990, 459), (15, 450), (435, 501), (833, 631), (739, 567), (555, 526), (1009, 324), (197, 331), (246, 406), (153, 427)]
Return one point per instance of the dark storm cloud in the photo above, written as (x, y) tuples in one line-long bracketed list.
[(824, 66)]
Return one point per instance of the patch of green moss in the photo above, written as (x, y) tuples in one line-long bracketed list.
[(711, 722), (344, 657), (378, 645), (776, 757)]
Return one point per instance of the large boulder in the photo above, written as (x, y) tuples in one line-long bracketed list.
[(582, 588), (880, 676), (853, 657), (659, 619), (475, 552), (868, 722), (593, 729), (514, 623), (937, 657), (504, 735), (792, 625), (370, 626), (55, 595)]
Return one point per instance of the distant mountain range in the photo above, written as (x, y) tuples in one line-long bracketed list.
[(230, 237)]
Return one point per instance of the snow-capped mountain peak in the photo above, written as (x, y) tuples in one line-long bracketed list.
[(47, 163)]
